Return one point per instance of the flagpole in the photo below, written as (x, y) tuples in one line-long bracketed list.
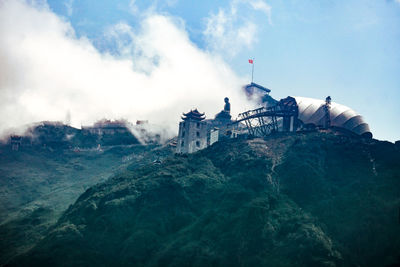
[(252, 71)]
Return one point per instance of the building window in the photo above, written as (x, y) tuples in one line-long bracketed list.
[(183, 134), (198, 134), (198, 125), (197, 143), (183, 143)]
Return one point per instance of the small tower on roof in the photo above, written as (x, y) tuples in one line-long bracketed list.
[(192, 134)]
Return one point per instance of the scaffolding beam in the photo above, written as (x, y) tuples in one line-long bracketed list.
[(263, 121)]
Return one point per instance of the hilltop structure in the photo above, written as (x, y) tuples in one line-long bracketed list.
[(289, 114), (192, 132), (293, 114), (196, 132), (259, 94)]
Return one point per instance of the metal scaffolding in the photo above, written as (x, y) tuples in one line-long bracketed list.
[(263, 121)]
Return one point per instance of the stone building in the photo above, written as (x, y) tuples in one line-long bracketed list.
[(196, 133), (193, 132)]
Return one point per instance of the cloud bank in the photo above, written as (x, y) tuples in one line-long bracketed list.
[(47, 73)]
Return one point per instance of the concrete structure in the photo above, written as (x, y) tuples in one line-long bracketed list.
[(196, 133), (259, 94), (301, 113), (214, 136), (192, 134), (288, 115), (313, 112)]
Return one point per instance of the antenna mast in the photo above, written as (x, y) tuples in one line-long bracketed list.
[(252, 70), (251, 61)]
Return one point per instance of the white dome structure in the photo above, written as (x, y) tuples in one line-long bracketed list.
[(311, 111)]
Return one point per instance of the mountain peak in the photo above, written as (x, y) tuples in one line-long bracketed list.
[(287, 199)]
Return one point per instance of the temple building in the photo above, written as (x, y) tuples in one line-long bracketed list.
[(196, 132), (192, 134)]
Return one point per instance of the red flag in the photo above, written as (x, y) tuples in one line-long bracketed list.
[(250, 61)]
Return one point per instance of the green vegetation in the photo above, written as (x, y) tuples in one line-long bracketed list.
[(310, 199), (59, 136), (38, 183)]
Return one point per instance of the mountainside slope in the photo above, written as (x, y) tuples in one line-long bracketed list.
[(288, 200), (37, 184)]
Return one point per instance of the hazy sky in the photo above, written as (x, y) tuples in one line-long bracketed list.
[(155, 59)]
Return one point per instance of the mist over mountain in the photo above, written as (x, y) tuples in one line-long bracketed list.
[(302, 199)]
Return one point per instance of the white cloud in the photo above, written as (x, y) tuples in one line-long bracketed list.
[(223, 35), (47, 72), (262, 6), (69, 6), (120, 36), (227, 32), (133, 8)]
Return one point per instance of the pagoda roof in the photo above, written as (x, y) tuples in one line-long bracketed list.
[(194, 115)]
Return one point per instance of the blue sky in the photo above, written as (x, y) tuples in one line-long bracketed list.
[(349, 50)]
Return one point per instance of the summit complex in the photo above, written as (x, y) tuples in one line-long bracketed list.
[(291, 114)]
